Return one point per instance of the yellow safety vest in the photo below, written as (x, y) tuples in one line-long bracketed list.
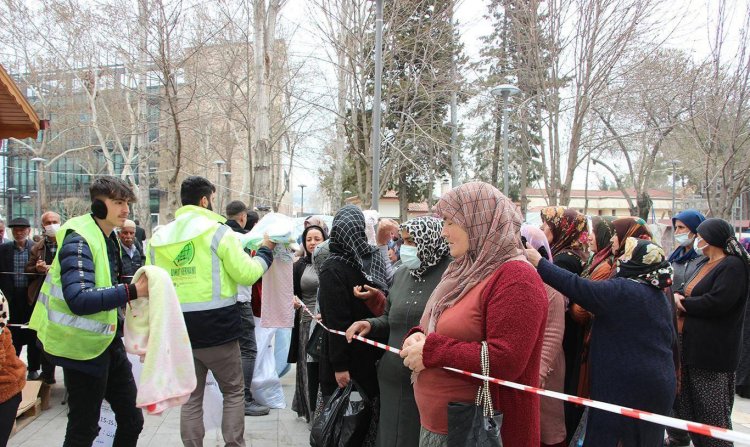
[(61, 332), (187, 249)]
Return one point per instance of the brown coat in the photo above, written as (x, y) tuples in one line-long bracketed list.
[(37, 252), (12, 369)]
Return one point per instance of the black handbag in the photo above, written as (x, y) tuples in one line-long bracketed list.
[(291, 357), (314, 347), (477, 424)]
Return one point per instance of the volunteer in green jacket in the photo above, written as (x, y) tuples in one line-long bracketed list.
[(206, 262), (76, 317)]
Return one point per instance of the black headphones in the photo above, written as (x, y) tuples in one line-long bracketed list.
[(99, 209)]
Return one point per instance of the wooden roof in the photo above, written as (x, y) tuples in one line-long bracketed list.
[(17, 118)]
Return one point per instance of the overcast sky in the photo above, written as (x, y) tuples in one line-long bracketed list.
[(685, 26)]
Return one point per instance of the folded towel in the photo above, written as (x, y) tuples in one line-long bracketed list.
[(155, 331), (277, 305)]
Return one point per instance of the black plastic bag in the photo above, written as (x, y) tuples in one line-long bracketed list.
[(356, 420), (344, 420)]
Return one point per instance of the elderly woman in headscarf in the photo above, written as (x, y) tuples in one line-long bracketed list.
[(684, 259), (631, 343), (552, 368), (488, 293), (305, 281), (713, 304), (565, 229), (424, 257), (626, 227), (352, 264), (686, 262), (601, 260), (599, 267)]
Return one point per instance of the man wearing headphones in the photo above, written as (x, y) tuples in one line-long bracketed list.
[(77, 322)]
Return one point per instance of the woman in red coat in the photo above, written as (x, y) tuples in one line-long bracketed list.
[(489, 292)]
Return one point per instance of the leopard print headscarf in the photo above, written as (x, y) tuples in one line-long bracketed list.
[(4, 312), (431, 246)]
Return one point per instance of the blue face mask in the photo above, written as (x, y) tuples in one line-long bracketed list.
[(409, 257)]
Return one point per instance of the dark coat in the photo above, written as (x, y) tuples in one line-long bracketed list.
[(399, 417), (684, 272), (712, 334), (140, 234), (631, 354), (20, 310), (45, 252), (339, 309), (131, 265), (573, 346)]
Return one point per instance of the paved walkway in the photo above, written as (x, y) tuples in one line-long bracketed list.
[(279, 428)]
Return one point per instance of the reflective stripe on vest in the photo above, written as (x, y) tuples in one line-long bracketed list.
[(59, 329), (217, 302), (73, 321)]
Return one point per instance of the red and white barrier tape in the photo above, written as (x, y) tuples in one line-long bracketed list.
[(693, 427)]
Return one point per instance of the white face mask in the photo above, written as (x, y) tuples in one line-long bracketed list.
[(51, 230), (409, 257), (698, 249), (683, 239)]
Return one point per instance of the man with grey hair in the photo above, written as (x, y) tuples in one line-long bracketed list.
[(41, 256), (132, 251), (13, 258)]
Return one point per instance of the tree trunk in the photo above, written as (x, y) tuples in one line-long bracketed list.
[(339, 147), (644, 205), (525, 158), (403, 197), (262, 54), (142, 208)]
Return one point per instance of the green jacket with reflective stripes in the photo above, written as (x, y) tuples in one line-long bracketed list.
[(62, 332), (206, 263)]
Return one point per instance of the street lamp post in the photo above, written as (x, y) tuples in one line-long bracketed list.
[(505, 91), (376, 104), (33, 193), (37, 162), (674, 180), (302, 199), (11, 190), (219, 164)]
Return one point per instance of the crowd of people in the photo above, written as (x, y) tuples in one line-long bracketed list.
[(589, 307)]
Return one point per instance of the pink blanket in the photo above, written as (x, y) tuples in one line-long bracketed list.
[(277, 305), (155, 330)]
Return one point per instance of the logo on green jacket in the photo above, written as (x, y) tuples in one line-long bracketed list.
[(185, 256)]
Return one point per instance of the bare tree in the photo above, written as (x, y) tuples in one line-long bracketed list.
[(265, 17), (594, 35), (719, 117), (637, 117)]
